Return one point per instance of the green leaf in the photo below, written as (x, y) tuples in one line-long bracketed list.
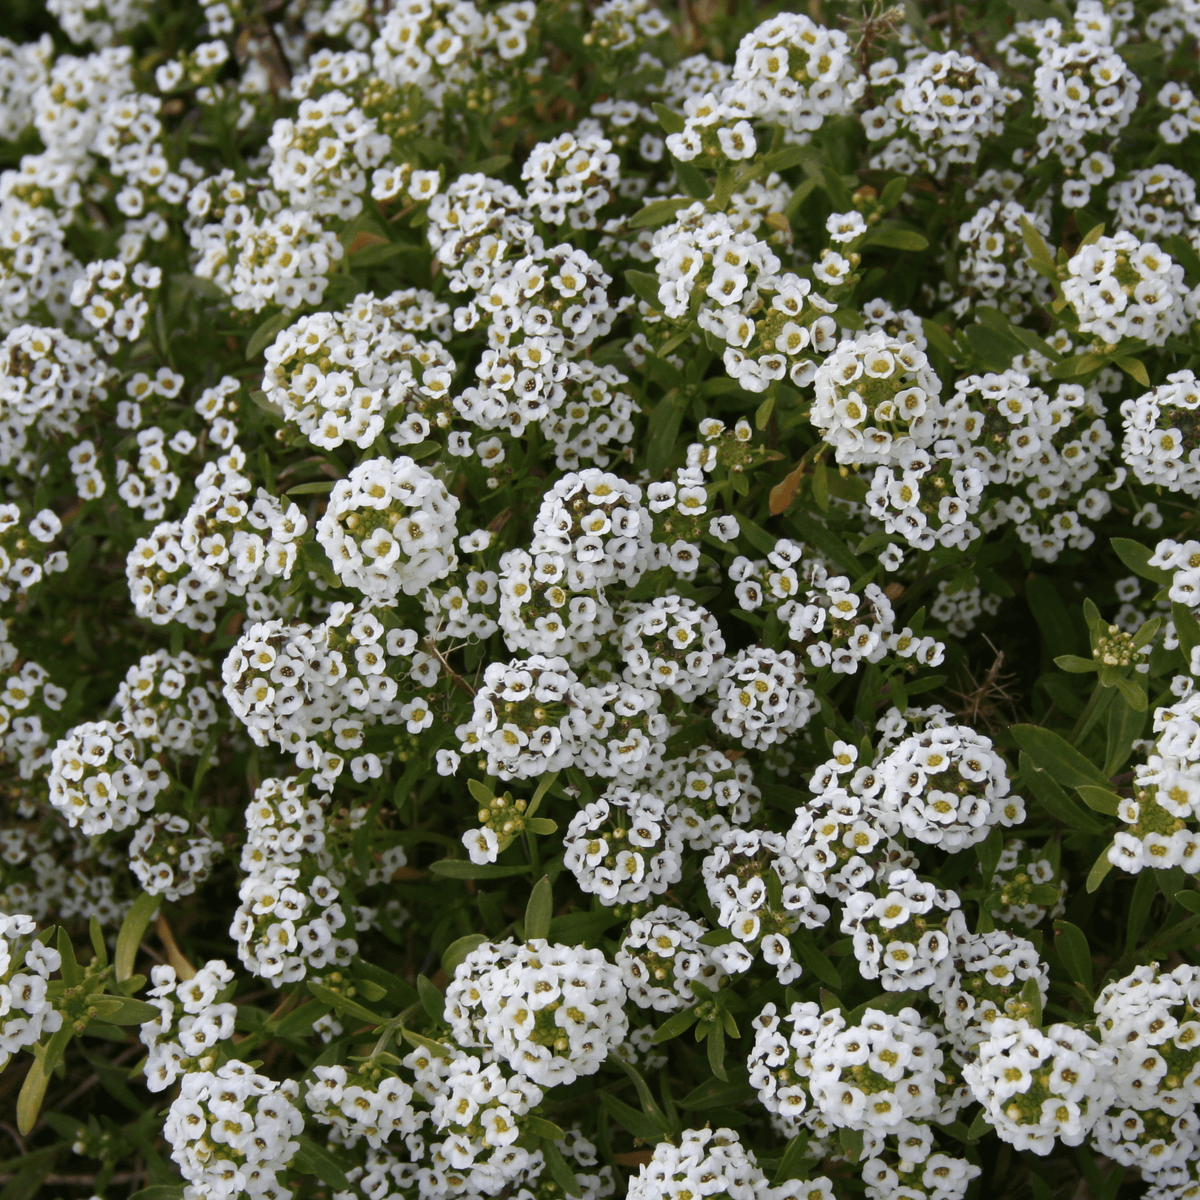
[(265, 334), (124, 1010), (1125, 725), (645, 286), (1189, 900), (312, 1159), (894, 237), (658, 212), (993, 349), (662, 431), (160, 1191), (893, 192), (70, 971), (1133, 367), (1134, 693), (851, 1142), (820, 486), (318, 487), (130, 935), (718, 1095), (1187, 629), (938, 338), (1137, 558), (674, 1025), (1100, 799), (343, 1004), (1100, 868), (432, 1000), (1038, 250), (791, 1165), (638, 1123), (815, 959), (1075, 665), (671, 121), (422, 1042), (461, 868), (33, 1091), (691, 179), (716, 1051), (1033, 997), (559, 1171), (1055, 801), (981, 1126), (1053, 754), (1072, 945), (1138, 911), (457, 951), (539, 911), (540, 1127)]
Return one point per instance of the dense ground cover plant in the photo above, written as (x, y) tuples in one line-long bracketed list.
[(599, 600)]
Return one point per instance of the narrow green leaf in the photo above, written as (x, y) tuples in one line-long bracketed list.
[(1100, 868), (1100, 799), (343, 1004), (630, 1119), (1075, 664), (432, 1000), (1055, 755), (312, 1159), (671, 121), (815, 959), (540, 1127), (318, 487), (457, 951), (663, 431), (645, 286), (718, 1095), (160, 1191), (1072, 945), (539, 911), (130, 935), (264, 335), (674, 1025), (981, 1126), (893, 192), (1137, 558), (560, 1172), (461, 868), (1189, 899), (716, 1051), (897, 238)]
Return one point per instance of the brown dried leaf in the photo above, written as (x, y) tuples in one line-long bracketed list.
[(784, 493)]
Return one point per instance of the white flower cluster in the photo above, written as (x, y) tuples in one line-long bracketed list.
[(713, 1162), (160, 708), (23, 69), (835, 626), (591, 532), (351, 376), (1151, 1020), (880, 1075), (995, 260), (96, 781), (948, 787), (192, 1021), (232, 1132), (255, 250), (672, 644), (26, 1010), (986, 976), (877, 400), (624, 847), (755, 886), (1161, 446), (661, 956), (171, 858), (287, 923), (571, 178), (356, 1109), (944, 103), (47, 381), (551, 1012), (313, 690), (710, 791), (1041, 1085), (550, 720), (1019, 882), (389, 528), (763, 698), (1156, 202), (1161, 817), (25, 556), (903, 937), (1121, 287)]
